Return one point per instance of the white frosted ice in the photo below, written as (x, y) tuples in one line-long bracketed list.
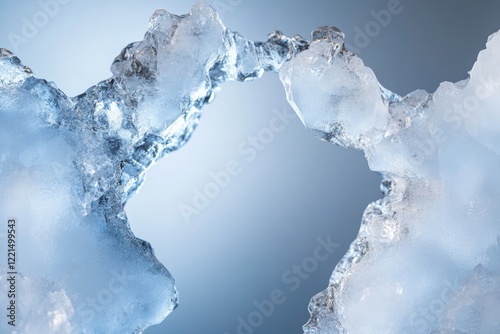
[(427, 258)]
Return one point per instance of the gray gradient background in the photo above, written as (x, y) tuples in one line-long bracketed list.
[(298, 188)]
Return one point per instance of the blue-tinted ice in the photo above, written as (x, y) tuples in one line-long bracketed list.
[(427, 256)]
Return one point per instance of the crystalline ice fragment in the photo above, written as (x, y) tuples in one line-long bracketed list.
[(68, 166), (427, 257)]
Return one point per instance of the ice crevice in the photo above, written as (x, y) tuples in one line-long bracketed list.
[(71, 164)]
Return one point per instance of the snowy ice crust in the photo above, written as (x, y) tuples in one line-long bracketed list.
[(427, 256)]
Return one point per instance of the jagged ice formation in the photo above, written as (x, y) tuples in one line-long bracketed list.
[(427, 256), (68, 166)]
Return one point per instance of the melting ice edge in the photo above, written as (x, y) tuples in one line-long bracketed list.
[(427, 257)]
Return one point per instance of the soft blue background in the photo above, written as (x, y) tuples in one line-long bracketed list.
[(298, 188)]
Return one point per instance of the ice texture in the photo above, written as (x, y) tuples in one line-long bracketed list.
[(68, 165), (427, 258)]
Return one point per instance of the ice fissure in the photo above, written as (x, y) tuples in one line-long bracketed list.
[(71, 164)]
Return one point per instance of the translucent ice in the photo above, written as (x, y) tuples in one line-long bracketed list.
[(68, 166), (80, 269), (427, 258)]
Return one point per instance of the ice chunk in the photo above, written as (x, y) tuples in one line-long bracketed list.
[(68, 166), (426, 259), (80, 271)]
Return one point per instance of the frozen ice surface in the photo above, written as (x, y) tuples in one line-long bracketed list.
[(80, 268), (68, 166), (427, 257)]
